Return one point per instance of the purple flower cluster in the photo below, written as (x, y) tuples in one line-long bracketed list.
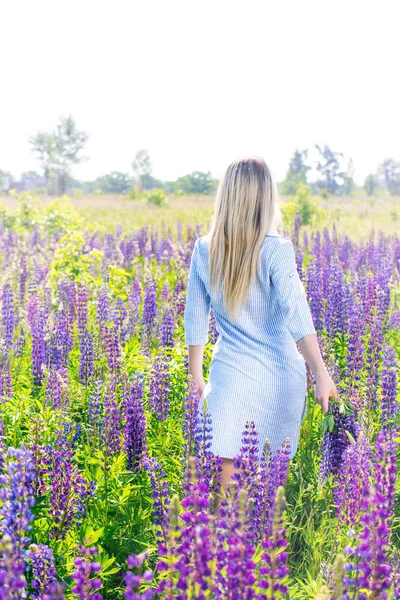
[(68, 490), (135, 444), (336, 441), (352, 481), (368, 567), (111, 424), (44, 575), (86, 582), (133, 581), (160, 386), (17, 498)]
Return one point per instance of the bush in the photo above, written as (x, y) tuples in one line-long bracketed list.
[(156, 196), (324, 193), (304, 204)]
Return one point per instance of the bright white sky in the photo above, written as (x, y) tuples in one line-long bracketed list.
[(198, 83)]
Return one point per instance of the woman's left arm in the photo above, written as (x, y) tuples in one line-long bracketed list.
[(196, 320)]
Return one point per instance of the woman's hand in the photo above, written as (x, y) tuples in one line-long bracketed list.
[(325, 389), (199, 385)]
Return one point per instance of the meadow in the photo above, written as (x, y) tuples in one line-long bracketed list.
[(108, 488)]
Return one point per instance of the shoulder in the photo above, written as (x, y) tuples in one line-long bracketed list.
[(277, 250), (274, 243), (201, 244)]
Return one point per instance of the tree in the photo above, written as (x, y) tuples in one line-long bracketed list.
[(329, 168), (142, 168), (370, 184), (58, 151), (113, 183), (297, 173), (149, 182), (196, 183), (348, 179), (389, 172)]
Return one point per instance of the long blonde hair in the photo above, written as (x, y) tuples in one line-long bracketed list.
[(246, 209)]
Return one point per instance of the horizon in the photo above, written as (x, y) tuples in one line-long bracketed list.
[(204, 99)]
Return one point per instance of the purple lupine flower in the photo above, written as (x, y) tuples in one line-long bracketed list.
[(94, 413), (57, 394), (368, 567), (8, 316), (65, 339), (212, 328), (17, 496), (165, 291), (82, 309), (280, 465), (103, 310), (191, 424), (178, 297), (119, 313), (160, 385), (160, 494), (68, 489), (234, 547), (355, 350), (111, 424), (373, 358), (43, 570), (2, 446), (299, 256), (134, 581), (296, 229), (335, 442), (135, 427), (395, 319), (19, 345), (273, 570), (352, 481), (135, 295), (150, 302), (55, 592), (86, 584), (113, 348), (6, 390), (315, 296), (388, 402), (12, 571), (167, 328), (334, 318), (35, 235), (209, 464), (192, 542), (86, 363), (38, 343), (247, 461), (263, 499), (22, 278)]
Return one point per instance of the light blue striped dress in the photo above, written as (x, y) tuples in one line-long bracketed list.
[(257, 372)]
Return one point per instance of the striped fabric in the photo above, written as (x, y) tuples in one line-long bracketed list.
[(256, 372)]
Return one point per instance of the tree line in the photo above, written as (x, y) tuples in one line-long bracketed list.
[(57, 152), (336, 180)]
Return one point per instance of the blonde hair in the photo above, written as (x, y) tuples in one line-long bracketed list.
[(246, 209)]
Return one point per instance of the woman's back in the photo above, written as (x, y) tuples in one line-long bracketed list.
[(275, 314)]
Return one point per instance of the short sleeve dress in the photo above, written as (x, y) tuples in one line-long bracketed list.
[(257, 372)]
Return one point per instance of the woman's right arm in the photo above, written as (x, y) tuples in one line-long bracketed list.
[(293, 301), (325, 388)]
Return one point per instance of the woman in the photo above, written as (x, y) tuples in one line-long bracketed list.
[(247, 273)]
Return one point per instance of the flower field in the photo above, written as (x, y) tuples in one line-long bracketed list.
[(108, 488)]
